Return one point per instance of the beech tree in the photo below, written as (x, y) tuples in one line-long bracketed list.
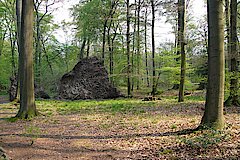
[(27, 99), (154, 89), (233, 55), (145, 44), (213, 115), (181, 47), (128, 50)]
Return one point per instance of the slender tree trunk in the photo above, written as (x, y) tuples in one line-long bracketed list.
[(228, 33), (138, 44), (128, 51), (88, 47), (12, 43), (145, 44), (110, 50), (37, 49), (154, 89), (19, 21), (213, 115), (133, 46), (47, 58), (18, 15), (104, 39), (27, 99), (176, 85), (181, 47), (81, 55), (233, 98)]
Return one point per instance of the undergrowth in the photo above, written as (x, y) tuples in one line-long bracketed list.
[(205, 138)]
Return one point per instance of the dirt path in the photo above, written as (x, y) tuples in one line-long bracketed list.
[(103, 136)]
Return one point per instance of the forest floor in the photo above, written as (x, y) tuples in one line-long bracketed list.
[(118, 129)]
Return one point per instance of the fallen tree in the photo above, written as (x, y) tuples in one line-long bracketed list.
[(88, 80)]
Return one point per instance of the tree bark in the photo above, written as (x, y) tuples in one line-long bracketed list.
[(227, 22), (234, 86), (19, 21), (37, 48), (27, 99), (47, 58), (88, 47), (153, 50), (138, 43), (133, 46), (12, 43), (213, 115), (181, 47), (145, 44), (81, 55), (128, 51), (104, 39)]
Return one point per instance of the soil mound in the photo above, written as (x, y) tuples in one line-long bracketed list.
[(88, 80)]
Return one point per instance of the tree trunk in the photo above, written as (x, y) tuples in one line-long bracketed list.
[(181, 47), (233, 98), (81, 55), (19, 21), (37, 50), (27, 99), (47, 58), (133, 46), (227, 21), (153, 51), (104, 39), (88, 47), (128, 51), (12, 43), (110, 51), (213, 115), (18, 15), (145, 44), (138, 44)]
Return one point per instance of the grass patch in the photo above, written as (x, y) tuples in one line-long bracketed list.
[(195, 98), (12, 119), (133, 106)]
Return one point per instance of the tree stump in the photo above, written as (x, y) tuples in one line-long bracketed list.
[(13, 88)]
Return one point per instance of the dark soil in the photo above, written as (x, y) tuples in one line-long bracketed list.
[(88, 80)]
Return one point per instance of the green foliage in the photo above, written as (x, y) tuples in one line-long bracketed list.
[(195, 98), (5, 66), (206, 139), (166, 151), (168, 66), (228, 77), (173, 126), (12, 119), (88, 18)]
